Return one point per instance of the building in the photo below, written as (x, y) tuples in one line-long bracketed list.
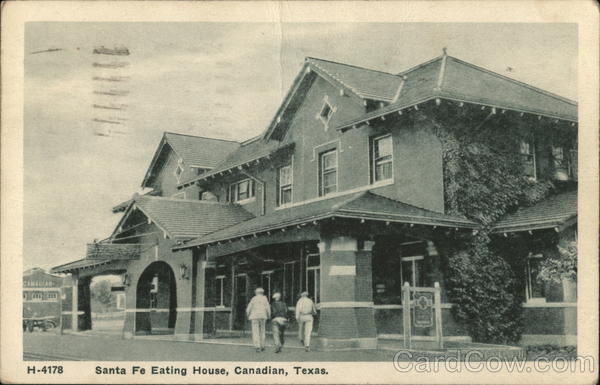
[(41, 295), (343, 195)]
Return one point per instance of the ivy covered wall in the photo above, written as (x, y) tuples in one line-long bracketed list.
[(484, 179)]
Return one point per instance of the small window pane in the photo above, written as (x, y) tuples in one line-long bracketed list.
[(329, 160), (285, 175), (383, 171), (286, 195), (383, 147)]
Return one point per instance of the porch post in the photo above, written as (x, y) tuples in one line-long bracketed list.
[(347, 318), (75, 302)]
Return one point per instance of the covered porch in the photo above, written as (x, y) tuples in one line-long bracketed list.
[(352, 254)]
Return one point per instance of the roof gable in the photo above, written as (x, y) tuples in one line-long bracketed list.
[(181, 218), (194, 151), (361, 83)]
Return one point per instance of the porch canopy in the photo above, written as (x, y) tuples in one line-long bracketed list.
[(558, 211), (107, 255), (364, 206)]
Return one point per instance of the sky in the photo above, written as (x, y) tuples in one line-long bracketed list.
[(222, 80)]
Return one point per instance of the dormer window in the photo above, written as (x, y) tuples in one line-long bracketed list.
[(327, 111), (527, 152), (242, 191)]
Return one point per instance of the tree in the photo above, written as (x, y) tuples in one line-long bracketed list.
[(101, 293)]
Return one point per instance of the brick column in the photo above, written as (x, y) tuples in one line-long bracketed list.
[(347, 318), (130, 307)]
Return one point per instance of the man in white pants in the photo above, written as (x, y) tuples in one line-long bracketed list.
[(305, 310), (258, 311)]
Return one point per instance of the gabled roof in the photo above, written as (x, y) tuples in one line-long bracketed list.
[(247, 153), (197, 151), (552, 212), (447, 77), (181, 218), (363, 83), (194, 151), (363, 205)]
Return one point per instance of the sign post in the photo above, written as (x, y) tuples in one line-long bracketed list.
[(425, 306)]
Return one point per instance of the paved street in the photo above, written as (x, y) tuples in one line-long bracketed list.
[(48, 346)]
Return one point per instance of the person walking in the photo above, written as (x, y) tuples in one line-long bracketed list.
[(305, 310), (258, 311), (279, 321)]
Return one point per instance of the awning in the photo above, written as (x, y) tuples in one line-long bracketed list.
[(80, 264)]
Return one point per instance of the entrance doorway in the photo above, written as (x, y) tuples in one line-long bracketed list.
[(156, 300), (241, 301)]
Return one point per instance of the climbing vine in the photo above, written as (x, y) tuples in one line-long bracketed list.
[(484, 179)]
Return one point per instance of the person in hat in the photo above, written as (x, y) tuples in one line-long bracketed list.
[(278, 321), (305, 310), (258, 311)]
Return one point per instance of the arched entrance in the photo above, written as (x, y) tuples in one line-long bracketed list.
[(156, 300)]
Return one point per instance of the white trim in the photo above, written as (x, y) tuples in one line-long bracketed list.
[(345, 304), (332, 110), (80, 312), (339, 145), (31, 289), (175, 196), (400, 307), (400, 337), (549, 304), (340, 193), (246, 201), (204, 308), (412, 258), (147, 310)]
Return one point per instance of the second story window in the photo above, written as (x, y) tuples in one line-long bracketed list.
[(241, 191), (381, 158), (527, 152), (328, 172), (285, 185)]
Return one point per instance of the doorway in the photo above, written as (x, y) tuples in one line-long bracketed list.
[(156, 300), (240, 301)]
